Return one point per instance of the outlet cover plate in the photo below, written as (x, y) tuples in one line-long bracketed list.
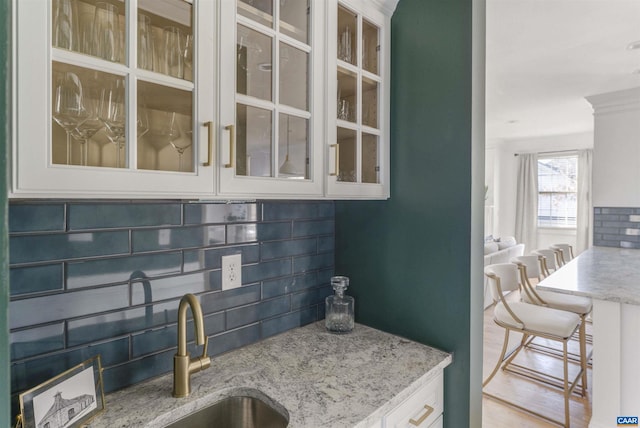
[(231, 271)]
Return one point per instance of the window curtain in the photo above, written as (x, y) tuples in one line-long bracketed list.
[(527, 201), (584, 213)]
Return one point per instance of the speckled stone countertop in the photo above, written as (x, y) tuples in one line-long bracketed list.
[(601, 273), (318, 379)]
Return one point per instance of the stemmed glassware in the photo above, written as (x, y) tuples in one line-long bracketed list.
[(68, 109), (65, 24), (87, 129), (86, 33), (113, 115), (142, 125), (145, 42), (167, 130), (182, 141), (173, 52), (188, 52), (107, 36)]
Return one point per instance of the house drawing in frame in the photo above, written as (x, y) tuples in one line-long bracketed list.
[(64, 411)]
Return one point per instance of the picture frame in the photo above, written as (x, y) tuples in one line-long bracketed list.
[(69, 400)]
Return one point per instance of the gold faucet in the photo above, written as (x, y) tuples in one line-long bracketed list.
[(183, 365)]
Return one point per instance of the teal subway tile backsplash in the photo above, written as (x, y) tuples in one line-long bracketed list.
[(89, 329), (87, 273), (244, 315), (61, 306), (289, 284), (36, 279), (106, 278), (280, 249), (288, 321), (266, 270), (138, 370), (37, 340), (214, 302), (312, 262), (212, 258), (177, 237), (66, 246), (310, 297), (220, 213), (292, 210), (36, 217), (274, 231), (313, 228), (104, 216), (234, 339), (240, 233), (155, 290), (31, 372)]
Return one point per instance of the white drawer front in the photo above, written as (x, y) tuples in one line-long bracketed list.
[(421, 409), (438, 423)]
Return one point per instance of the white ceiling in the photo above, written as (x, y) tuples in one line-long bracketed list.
[(545, 56)]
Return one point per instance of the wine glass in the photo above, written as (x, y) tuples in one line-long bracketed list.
[(188, 52), (87, 129), (113, 115), (106, 32), (86, 44), (142, 123), (65, 24), (173, 52), (182, 141), (145, 42), (68, 108)]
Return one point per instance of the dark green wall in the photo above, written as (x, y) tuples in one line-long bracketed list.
[(409, 257), (5, 30)]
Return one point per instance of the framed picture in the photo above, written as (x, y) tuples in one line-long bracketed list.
[(68, 400)]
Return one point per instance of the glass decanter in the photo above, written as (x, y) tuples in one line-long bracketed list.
[(339, 307)]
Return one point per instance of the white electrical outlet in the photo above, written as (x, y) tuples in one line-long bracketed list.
[(231, 271)]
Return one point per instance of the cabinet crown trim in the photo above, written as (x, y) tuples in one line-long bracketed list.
[(387, 6)]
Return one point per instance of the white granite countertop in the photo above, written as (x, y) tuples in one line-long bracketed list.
[(601, 273), (317, 378)]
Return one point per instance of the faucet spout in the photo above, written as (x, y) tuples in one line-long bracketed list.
[(183, 365)]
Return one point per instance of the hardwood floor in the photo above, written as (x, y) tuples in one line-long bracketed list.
[(527, 393)]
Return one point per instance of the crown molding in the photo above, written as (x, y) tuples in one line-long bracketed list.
[(626, 99), (387, 6)]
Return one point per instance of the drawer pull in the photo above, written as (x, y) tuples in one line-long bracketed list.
[(209, 126), (337, 160), (232, 144), (426, 414)]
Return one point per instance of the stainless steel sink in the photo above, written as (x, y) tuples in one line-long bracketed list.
[(234, 412)]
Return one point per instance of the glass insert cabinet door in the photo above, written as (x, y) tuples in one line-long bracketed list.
[(358, 144), (271, 105), (128, 101)]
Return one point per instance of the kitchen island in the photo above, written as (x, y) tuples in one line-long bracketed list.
[(611, 277), (316, 378)]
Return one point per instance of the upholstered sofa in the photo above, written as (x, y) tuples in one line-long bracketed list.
[(499, 251)]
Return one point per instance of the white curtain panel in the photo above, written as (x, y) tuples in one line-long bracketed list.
[(527, 201), (584, 214)]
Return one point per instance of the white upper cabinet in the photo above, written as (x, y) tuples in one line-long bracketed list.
[(114, 98), (358, 40), (271, 98), (201, 99)]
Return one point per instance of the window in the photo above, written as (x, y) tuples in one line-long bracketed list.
[(557, 191)]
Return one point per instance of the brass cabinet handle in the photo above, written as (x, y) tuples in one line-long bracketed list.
[(232, 144), (423, 417), (209, 161), (337, 169)]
